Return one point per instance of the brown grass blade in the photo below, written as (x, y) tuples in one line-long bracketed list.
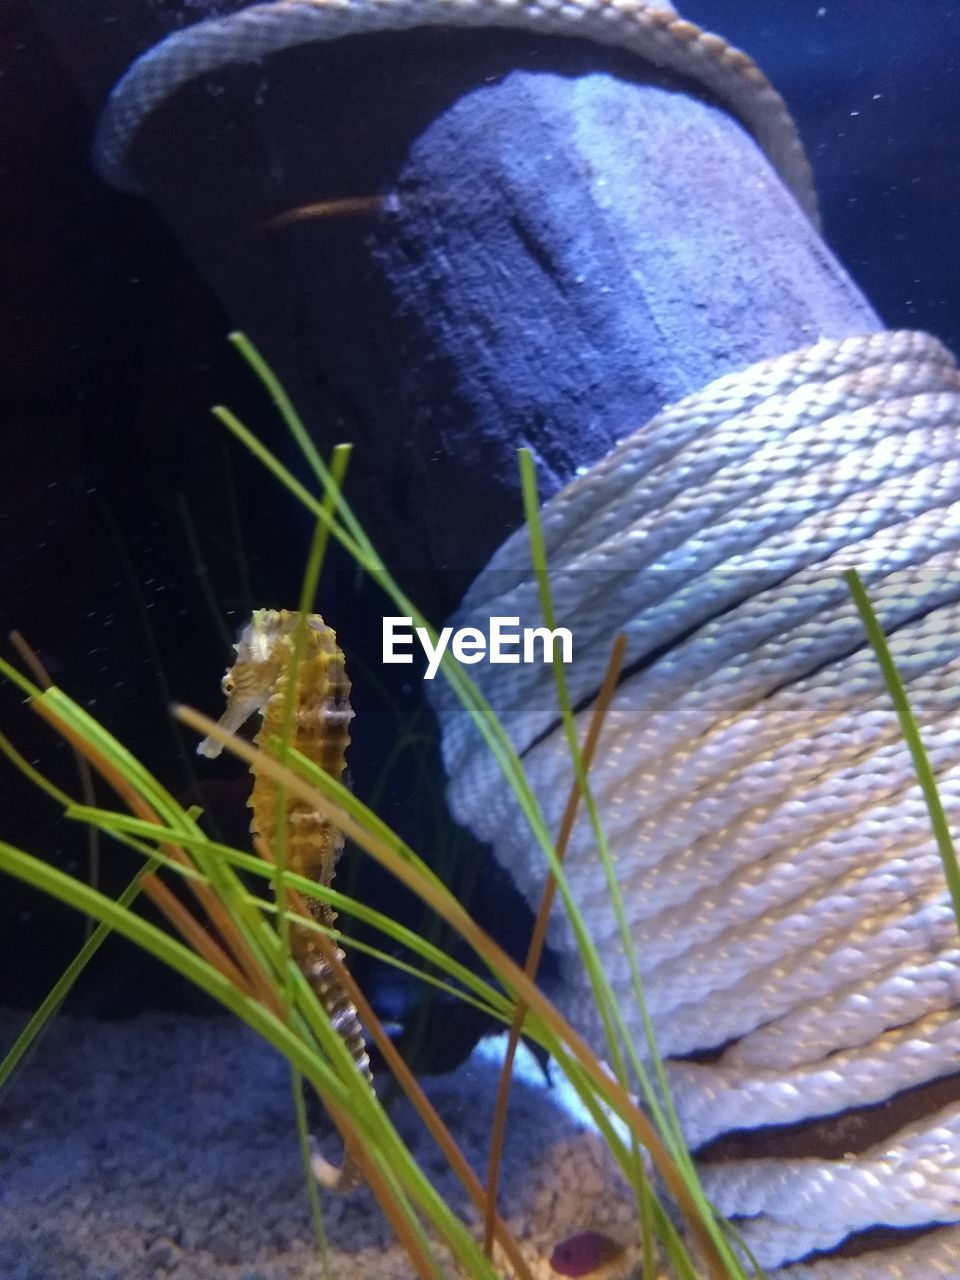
[(194, 934), (419, 1100), (237, 953), (500, 963), (378, 1184), (538, 936), (31, 660)]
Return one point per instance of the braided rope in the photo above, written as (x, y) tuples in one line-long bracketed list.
[(933, 1255), (854, 1014), (716, 1099), (809, 1205), (718, 454), (781, 883), (652, 31)]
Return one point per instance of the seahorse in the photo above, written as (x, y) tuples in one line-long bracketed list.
[(258, 683)]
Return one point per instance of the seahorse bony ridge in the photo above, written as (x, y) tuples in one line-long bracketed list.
[(314, 692)]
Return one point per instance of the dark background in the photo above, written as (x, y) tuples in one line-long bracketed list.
[(134, 539)]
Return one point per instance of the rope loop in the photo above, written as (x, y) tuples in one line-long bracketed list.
[(784, 893)]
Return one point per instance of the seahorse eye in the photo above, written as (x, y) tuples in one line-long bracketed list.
[(227, 684)]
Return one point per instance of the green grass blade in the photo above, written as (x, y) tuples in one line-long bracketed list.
[(288, 480), (64, 984), (333, 1074), (659, 1103), (496, 739), (911, 735), (123, 826)]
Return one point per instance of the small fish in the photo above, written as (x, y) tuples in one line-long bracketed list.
[(588, 1253)]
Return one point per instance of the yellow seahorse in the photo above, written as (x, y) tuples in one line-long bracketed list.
[(258, 682)]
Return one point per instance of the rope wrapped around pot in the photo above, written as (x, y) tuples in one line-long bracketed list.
[(651, 29), (788, 910)]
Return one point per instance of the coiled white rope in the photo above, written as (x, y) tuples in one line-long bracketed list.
[(782, 886), (904, 1184), (928, 1257), (649, 28)]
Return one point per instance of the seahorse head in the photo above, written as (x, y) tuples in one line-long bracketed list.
[(249, 682)]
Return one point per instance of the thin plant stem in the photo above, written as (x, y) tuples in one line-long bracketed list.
[(422, 1104), (337, 1096), (32, 661), (911, 735), (200, 569), (437, 897), (208, 899), (197, 938), (539, 935), (660, 1106), (308, 593), (55, 997)]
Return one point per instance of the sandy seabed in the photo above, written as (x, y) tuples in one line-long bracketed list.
[(164, 1148)]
